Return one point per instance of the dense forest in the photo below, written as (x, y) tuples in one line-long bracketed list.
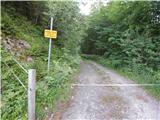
[(125, 32), (122, 35), (126, 36)]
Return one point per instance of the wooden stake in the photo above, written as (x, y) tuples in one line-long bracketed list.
[(31, 93)]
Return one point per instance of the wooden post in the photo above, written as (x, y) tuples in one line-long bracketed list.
[(31, 93)]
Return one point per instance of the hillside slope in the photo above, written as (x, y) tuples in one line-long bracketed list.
[(24, 41)]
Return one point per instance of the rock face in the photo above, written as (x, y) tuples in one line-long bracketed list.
[(16, 47)]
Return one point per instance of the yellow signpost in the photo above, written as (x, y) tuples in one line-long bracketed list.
[(50, 33)]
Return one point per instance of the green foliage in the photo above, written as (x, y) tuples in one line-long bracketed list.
[(126, 33), (19, 23), (14, 98), (69, 24), (32, 10)]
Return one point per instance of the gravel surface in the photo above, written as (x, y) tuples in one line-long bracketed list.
[(95, 101)]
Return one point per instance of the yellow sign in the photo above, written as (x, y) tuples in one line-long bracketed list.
[(50, 33)]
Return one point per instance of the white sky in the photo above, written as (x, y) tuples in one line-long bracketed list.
[(85, 5)]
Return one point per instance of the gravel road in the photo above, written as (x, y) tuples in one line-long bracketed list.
[(96, 97)]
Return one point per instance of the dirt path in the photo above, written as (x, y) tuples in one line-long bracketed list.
[(95, 101)]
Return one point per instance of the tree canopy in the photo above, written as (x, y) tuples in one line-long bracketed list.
[(126, 32)]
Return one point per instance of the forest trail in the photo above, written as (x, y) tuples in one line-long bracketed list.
[(94, 101)]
